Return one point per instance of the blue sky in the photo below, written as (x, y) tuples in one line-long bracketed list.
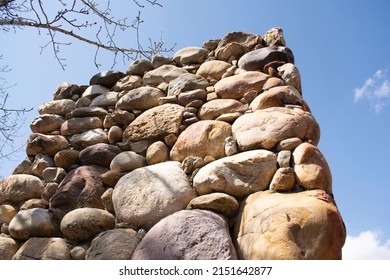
[(341, 49)]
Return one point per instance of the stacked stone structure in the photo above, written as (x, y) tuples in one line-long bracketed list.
[(210, 154)]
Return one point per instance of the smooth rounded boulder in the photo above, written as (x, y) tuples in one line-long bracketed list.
[(51, 248), (289, 226), (144, 196), (20, 187), (187, 235)]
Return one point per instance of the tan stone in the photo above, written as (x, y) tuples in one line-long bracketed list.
[(201, 139), (7, 212), (80, 125), (215, 108), (274, 37), (66, 158), (53, 248), (8, 247), (238, 175), (190, 55), (39, 143), (84, 224), (155, 123), (273, 82), (128, 83), (127, 161), (20, 187), (214, 69), (142, 98), (265, 128), (289, 226), (219, 202), (236, 86), (283, 179), (290, 74), (88, 138), (46, 123), (114, 134), (59, 107), (157, 152), (311, 168), (164, 73), (107, 200)]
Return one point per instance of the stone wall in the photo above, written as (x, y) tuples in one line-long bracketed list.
[(210, 154)]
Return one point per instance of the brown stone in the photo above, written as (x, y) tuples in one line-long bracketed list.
[(99, 154), (215, 108), (214, 69), (20, 187), (236, 86), (190, 55), (157, 152), (46, 123), (88, 138), (59, 107), (39, 143), (219, 202), (127, 83), (53, 248), (66, 158), (8, 247), (201, 139), (283, 179), (142, 98), (80, 125)]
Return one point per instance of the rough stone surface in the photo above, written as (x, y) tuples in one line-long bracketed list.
[(290, 75), (283, 179), (163, 74), (59, 107), (7, 212), (106, 100), (20, 187), (311, 168), (84, 224), (201, 139), (265, 128), (274, 37), (40, 163), (66, 158), (8, 247), (46, 123), (238, 175), (35, 222), (127, 83), (209, 238), (115, 244), (53, 248), (80, 125), (155, 123), (146, 195), (39, 143), (283, 226), (81, 187), (235, 44), (186, 82), (236, 86), (219, 202), (213, 69), (139, 67), (66, 91)]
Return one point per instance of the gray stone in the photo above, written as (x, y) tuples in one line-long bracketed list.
[(159, 60), (290, 75), (79, 125), (40, 163), (88, 138), (209, 238), (139, 67), (186, 82), (105, 100), (95, 90), (127, 83), (146, 195), (238, 175), (59, 107), (35, 222), (190, 55), (53, 174), (127, 161)]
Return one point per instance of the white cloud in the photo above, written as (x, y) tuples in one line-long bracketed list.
[(366, 246), (376, 90)]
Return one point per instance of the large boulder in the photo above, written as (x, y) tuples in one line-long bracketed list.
[(311, 168), (46, 123), (81, 187), (144, 196), (155, 123), (265, 128), (203, 138), (238, 85), (53, 248), (187, 235), (114, 244), (238, 175), (289, 226), (20, 187), (84, 224), (213, 69)]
